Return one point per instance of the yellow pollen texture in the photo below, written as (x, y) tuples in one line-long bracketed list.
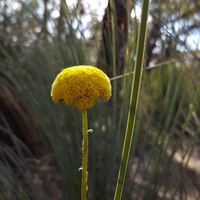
[(81, 86)]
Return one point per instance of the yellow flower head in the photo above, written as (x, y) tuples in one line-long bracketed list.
[(81, 86)]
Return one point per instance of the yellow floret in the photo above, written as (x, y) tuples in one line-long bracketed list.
[(81, 86)]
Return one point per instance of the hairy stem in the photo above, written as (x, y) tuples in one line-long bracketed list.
[(85, 156)]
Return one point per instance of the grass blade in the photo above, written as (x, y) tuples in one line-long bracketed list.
[(135, 91)]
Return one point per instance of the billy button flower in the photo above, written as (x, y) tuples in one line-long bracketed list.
[(81, 86)]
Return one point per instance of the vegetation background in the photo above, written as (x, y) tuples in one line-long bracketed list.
[(40, 142)]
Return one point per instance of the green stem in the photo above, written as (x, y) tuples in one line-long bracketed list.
[(135, 91), (85, 156)]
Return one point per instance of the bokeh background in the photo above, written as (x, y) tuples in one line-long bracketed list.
[(40, 142)]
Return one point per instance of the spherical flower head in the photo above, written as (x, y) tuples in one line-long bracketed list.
[(81, 86)]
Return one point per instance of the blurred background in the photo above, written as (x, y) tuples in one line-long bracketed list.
[(40, 142)]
